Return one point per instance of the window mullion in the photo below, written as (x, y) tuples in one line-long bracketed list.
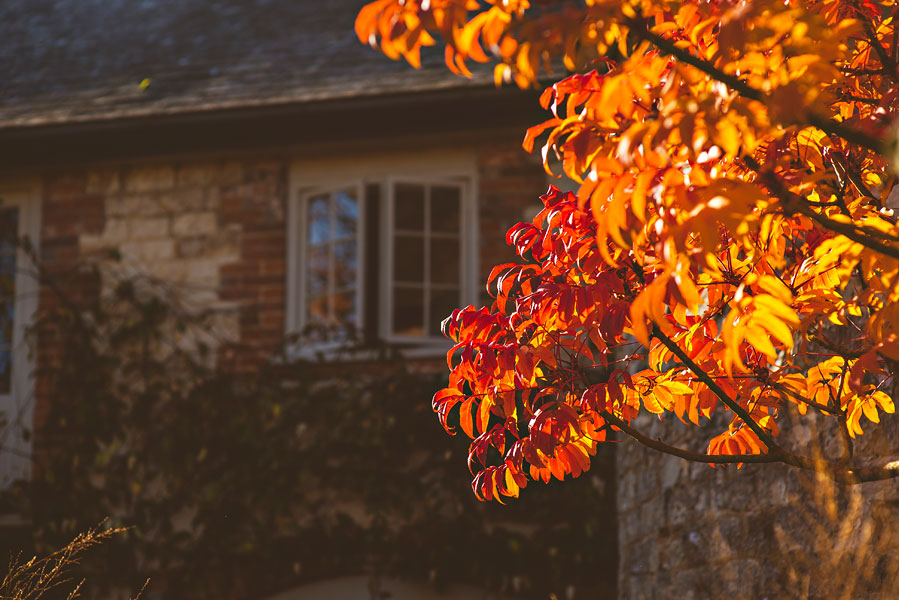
[(464, 247), (361, 210), (332, 267), (427, 281), (388, 250)]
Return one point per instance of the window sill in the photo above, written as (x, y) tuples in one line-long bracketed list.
[(389, 350)]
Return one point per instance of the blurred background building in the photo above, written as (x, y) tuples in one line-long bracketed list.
[(219, 197), (303, 194)]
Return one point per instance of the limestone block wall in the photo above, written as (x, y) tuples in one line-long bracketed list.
[(164, 221), (214, 231), (689, 531), (208, 233), (211, 230)]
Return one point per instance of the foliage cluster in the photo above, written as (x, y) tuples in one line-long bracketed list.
[(239, 483), (734, 229)]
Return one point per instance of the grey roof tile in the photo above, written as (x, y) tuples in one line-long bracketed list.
[(64, 61)]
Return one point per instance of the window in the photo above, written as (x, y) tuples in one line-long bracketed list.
[(424, 254), (18, 301), (332, 255), (379, 255)]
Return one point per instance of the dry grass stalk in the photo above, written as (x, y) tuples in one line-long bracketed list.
[(34, 578)]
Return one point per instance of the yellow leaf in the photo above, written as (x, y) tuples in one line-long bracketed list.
[(756, 336)]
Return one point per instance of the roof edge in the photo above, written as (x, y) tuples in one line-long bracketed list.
[(455, 109)]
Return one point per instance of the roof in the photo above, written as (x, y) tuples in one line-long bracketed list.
[(75, 61)]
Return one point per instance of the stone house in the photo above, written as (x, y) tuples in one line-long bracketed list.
[(255, 155), (259, 157)]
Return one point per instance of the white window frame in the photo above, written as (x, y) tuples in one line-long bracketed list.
[(15, 459), (309, 176), (298, 246), (388, 232)]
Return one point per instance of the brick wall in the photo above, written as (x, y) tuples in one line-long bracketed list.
[(510, 183), (68, 212), (255, 281), (214, 230)]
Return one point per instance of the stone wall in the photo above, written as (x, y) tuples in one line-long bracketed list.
[(68, 213), (690, 531), (175, 226), (214, 232), (164, 221)]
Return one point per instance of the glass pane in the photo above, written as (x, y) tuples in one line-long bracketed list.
[(345, 311), (408, 258), (445, 209), (345, 267), (347, 213), (318, 311), (445, 261), (409, 207), (318, 219), (317, 270), (408, 310), (443, 303)]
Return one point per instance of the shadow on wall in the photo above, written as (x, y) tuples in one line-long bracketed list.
[(689, 531), (238, 484)]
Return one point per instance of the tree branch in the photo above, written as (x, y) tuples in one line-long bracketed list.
[(716, 389), (845, 476), (853, 71), (823, 123), (841, 417), (688, 454), (824, 409), (837, 472), (794, 203), (886, 61), (854, 178), (818, 338)]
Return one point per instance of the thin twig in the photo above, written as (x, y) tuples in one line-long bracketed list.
[(688, 454), (825, 124), (885, 60), (794, 203)]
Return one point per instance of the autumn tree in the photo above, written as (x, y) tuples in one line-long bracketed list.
[(732, 252)]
